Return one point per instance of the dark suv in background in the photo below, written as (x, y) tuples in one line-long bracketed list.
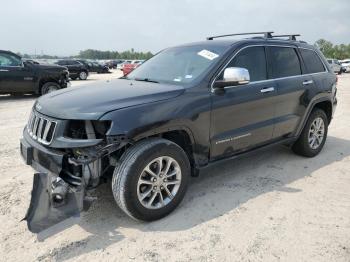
[(182, 110), (19, 76), (75, 68)]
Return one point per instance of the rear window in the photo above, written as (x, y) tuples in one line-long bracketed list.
[(312, 61), (284, 62)]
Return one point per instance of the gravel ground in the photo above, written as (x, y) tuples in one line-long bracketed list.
[(272, 206)]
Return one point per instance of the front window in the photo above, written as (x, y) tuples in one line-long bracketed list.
[(178, 65), (8, 60)]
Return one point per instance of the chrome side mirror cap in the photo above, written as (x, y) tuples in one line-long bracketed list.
[(233, 76)]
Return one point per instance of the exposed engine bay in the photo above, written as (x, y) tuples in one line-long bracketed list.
[(66, 175)]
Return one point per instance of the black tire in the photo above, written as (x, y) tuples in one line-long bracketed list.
[(129, 169), (340, 72), (49, 87), (302, 145), (83, 75)]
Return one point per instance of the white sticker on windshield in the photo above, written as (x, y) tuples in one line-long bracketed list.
[(207, 54)]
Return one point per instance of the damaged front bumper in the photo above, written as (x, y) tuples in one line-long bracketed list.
[(55, 198)]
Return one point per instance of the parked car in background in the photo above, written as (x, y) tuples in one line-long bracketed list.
[(127, 68), (114, 63), (18, 76), (121, 65), (186, 108), (75, 68), (335, 65), (346, 65), (94, 66)]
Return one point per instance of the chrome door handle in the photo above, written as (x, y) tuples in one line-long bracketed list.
[(268, 89), (4, 70), (307, 82)]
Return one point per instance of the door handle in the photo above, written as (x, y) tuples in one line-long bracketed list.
[(267, 90), (4, 70), (307, 82)]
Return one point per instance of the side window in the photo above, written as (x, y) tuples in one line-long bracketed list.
[(284, 62), (253, 59), (9, 60), (312, 61)]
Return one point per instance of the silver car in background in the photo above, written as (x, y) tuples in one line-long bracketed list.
[(335, 65), (346, 65)]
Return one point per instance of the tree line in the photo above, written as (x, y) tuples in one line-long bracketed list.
[(130, 54), (330, 50), (97, 54)]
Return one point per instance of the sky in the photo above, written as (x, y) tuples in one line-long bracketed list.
[(67, 26)]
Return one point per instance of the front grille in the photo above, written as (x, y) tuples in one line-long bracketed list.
[(40, 128)]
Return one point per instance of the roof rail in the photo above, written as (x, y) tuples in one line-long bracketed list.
[(290, 37), (266, 35)]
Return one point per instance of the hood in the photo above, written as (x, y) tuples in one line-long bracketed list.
[(50, 67), (91, 101)]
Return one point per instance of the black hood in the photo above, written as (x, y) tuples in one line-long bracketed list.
[(49, 67), (92, 101)]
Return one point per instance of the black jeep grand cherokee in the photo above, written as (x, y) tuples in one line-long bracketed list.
[(19, 77), (185, 108)]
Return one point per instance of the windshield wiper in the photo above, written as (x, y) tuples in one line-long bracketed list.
[(146, 80)]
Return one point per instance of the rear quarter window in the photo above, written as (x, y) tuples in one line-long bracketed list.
[(312, 61)]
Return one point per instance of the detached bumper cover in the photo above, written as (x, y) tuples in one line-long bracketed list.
[(45, 210)]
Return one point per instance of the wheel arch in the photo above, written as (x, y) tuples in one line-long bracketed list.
[(324, 104), (183, 137)]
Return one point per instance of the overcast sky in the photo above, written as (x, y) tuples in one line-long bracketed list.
[(67, 26)]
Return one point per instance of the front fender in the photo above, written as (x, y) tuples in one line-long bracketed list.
[(189, 113)]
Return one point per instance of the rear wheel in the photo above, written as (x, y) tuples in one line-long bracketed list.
[(313, 136), (151, 179), (49, 87)]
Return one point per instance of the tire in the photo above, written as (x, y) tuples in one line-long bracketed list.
[(131, 167), (49, 87), (83, 75), (340, 72), (303, 146)]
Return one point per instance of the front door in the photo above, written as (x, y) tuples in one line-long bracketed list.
[(243, 116), (14, 77)]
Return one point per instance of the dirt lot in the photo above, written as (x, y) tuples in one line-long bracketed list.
[(272, 206)]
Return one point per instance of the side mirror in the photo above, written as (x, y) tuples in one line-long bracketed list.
[(233, 76)]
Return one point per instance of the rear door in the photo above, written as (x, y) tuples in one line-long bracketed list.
[(242, 117), (14, 76), (285, 68)]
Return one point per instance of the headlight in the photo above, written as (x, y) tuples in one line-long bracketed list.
[(83, 129)]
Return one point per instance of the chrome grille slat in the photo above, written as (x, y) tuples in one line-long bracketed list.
[(47, 128), (41, 128)]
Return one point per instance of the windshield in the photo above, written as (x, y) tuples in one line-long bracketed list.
[(179, 64)]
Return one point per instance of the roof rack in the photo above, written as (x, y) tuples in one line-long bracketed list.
[(266, 35), (290, 37)]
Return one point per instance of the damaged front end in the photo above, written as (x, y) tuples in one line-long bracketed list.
[(70, 158)]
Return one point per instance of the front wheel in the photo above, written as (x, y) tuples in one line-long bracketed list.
[(49, 87), (83, 75), (151, 179), (313, 136)]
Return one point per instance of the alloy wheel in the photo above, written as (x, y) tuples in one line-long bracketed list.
[(159, 182), (316, 133)]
